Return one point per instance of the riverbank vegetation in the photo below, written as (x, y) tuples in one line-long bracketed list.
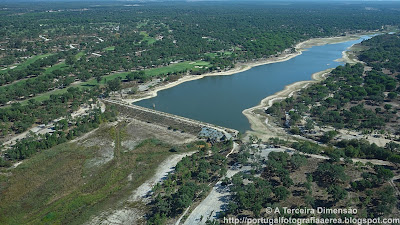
[(356, 97)]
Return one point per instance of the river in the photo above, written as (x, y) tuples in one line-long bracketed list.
[(220, 100)]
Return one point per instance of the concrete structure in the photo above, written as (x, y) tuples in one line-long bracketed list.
[(168, 120)]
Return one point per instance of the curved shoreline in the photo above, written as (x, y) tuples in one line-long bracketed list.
[(258, 126), (241, 67)]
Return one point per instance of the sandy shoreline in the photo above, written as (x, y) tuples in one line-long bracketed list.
[(260, 126), (241, 67)]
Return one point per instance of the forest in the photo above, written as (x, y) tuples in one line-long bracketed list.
[(287, 179)]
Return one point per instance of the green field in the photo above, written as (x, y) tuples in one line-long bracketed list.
[(79, 55), (59, 66), (27, 62), (214, 54), (146, 37), (111, 48), (46, 96), (178, 67)]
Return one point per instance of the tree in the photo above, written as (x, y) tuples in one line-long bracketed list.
[(70, 60), (309, 124), (392, 95), (297, 160), (309, 200), (337, 192), (386, 200), (328, 174), (281, 193), (130, 76), (328, 136), (388, 107), (287, 181), (392, 146), (383, 173), (378, 110), (99, 78), (114, 85)]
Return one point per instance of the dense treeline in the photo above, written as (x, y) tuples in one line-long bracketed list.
[(383, 52), (343, 100), (352, 149)]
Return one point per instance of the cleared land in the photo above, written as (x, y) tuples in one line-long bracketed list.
[(71, 182)]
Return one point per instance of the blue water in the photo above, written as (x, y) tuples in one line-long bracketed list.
[(220, 100)]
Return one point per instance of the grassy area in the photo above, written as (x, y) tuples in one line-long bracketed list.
[(214, 54), (46, 96), (146, 37), (141, 24), (59, 66), (79, 55), (27, 62), (178, 67), (111, 48), (70, 182)]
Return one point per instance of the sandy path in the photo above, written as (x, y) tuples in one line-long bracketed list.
[(364, 161), (212, 204), (143, 192), (219, 197), (391, 182)]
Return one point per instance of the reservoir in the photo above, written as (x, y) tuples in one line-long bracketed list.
[(220, 100)]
